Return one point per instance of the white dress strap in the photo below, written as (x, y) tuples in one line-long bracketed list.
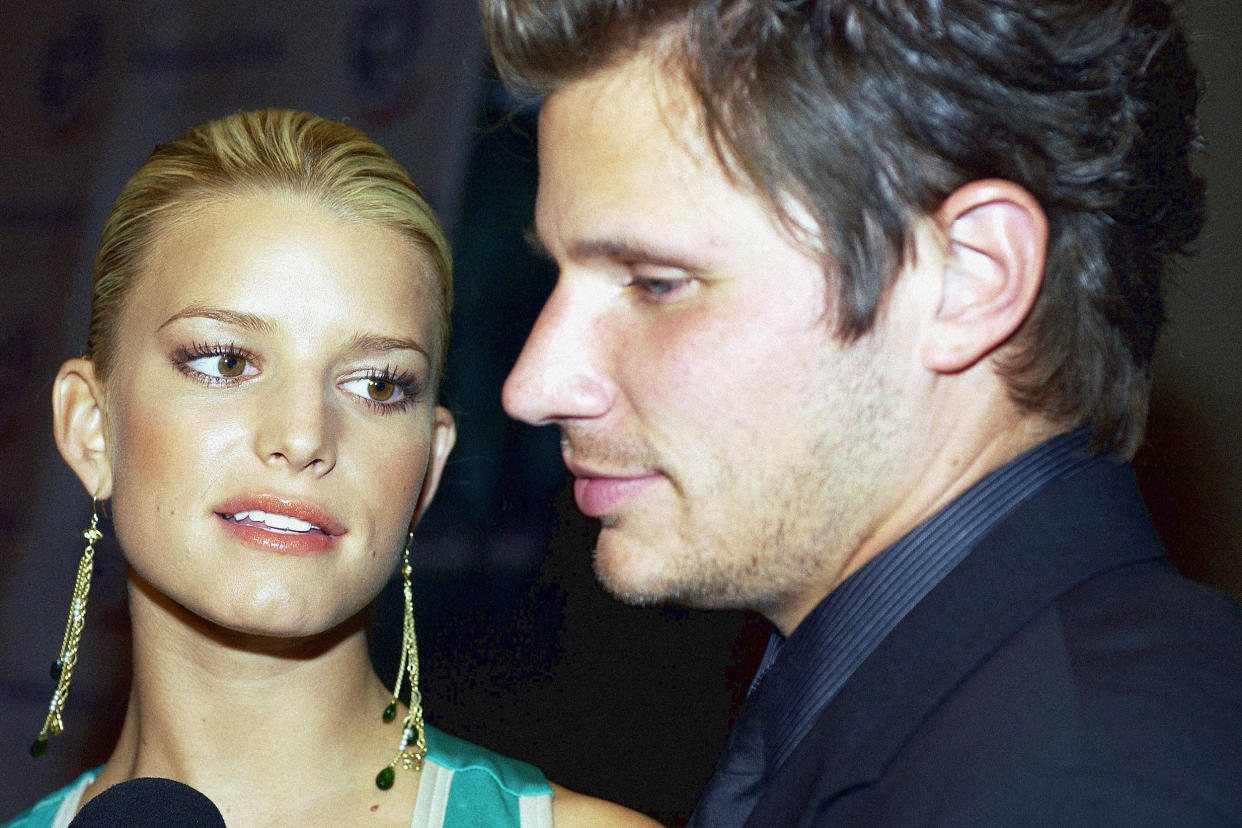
[(536, 811), (433, 796)]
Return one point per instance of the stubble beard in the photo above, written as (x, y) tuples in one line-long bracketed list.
[(763, 536)]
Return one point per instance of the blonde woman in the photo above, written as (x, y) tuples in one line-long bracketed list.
[(257, 404)]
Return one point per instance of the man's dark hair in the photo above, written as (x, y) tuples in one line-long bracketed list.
[(869, 113)]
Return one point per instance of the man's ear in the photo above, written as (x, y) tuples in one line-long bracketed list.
[(80, 425), (443, 436), (997, 237)]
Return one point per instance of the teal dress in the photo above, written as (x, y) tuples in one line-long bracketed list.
[(462, 785)]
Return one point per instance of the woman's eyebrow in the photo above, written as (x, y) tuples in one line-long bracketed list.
[(380, 342), (239, 319), (359, 343)]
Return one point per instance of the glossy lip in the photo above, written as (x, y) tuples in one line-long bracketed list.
[(291, 543), (599, 493)]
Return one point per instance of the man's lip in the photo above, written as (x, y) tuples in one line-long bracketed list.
[(586, 469), (601, 495), (294, 507)]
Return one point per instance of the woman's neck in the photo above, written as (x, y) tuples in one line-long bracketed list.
[(252, 721)]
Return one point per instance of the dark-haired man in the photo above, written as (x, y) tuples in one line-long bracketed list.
[(853, 327)]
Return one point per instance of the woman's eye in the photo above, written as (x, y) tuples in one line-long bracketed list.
[(222, 366), (378, 390)]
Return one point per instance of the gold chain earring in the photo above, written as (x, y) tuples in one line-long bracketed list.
[(413, 736), (62, 668)]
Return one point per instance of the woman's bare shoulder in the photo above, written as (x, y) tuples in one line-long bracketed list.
[(574, 809)]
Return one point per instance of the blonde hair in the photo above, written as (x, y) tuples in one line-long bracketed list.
[(266, 150)]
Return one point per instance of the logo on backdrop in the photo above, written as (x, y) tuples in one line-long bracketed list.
[(383, 57), (71, 79)]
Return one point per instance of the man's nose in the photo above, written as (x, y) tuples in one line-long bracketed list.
[(559, 375)]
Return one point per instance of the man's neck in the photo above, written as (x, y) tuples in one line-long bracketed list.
[(950, 467)]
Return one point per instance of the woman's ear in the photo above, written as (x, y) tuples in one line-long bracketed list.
[(443, 436), (997, 239), (80, 425)]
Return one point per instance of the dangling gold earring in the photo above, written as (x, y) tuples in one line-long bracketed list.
[(62, 668), (413, 736)]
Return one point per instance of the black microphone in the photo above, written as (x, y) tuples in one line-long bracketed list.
[(149, 802)]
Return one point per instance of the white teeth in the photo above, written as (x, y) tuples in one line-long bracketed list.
[(275, 521)]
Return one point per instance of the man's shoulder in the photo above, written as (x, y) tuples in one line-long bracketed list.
[(1108, 706), (1139, 638), (1125, 693), (1122, 697), (1064, 668), (1154, 661)]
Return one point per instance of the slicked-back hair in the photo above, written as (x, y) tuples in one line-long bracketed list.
[(266, 151), (868, 114)]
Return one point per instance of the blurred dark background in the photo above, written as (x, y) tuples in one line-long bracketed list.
[(521, 650)]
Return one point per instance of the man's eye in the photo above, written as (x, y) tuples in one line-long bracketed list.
[(658, 288)]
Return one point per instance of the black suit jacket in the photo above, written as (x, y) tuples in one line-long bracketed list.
[(1062, 674)]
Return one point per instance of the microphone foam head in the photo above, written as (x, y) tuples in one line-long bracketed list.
[(149, 802)]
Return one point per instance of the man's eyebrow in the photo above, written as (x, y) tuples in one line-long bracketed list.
[(627, 250), (618, 250), (238, 319)]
